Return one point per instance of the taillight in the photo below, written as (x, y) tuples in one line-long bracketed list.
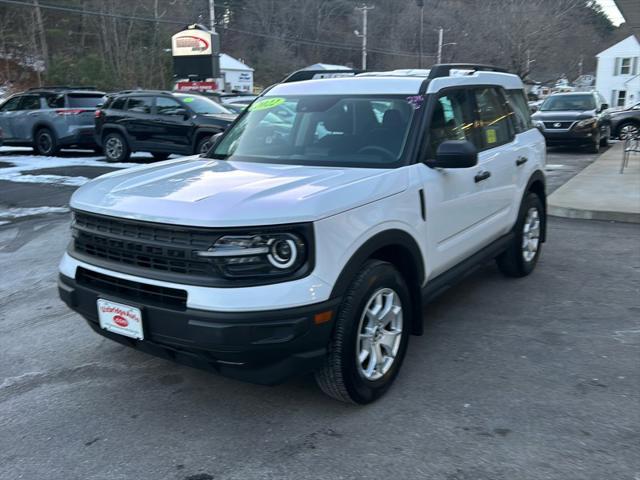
[(98, 113), (70, 111)]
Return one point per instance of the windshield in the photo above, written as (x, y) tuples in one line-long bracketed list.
[(202, 105), (568, 102), (320, 130)]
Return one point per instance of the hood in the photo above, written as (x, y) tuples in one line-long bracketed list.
[(219, 193), (550, 116), (227, 117)]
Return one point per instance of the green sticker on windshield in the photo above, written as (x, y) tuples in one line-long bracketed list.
[(188, 100), (266, 104)]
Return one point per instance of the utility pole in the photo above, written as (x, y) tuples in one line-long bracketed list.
[(420, 4), (440, 40), (580, 65), (212, 16), (364, 9)]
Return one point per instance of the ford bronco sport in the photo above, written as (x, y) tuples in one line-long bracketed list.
[(311, 234)]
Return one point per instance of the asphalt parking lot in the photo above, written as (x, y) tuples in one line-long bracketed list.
[(524, 379)]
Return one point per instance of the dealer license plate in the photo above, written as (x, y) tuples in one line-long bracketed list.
[(119, 318)]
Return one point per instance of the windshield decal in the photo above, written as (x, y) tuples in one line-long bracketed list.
[(266, 104), (416, 101)]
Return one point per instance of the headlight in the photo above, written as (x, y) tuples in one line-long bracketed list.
[(259, 255), (588, 123)]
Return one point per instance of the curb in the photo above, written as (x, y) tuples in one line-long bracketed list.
[(568, 212), (567, 203)]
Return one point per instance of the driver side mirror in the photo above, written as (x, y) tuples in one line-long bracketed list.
[(455, 154)]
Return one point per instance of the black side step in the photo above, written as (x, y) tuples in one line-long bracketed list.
[(454, 275)]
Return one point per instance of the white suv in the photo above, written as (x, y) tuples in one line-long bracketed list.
[(317, 226)]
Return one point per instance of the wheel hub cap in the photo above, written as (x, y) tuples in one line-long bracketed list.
[(531, 234), (379, 334)]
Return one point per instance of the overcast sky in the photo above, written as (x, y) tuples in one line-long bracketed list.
[(612, 11)]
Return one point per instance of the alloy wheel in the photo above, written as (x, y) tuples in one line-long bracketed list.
[(531, 234), (114, 148), (45, 142), (379, 334), (628, 131)]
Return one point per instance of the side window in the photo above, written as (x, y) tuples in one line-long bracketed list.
[(522, 118), (167, 106), (118, 103), (451, 119), (11, 105), (140, 104), (55, 101), (30, 102), (494, 117)]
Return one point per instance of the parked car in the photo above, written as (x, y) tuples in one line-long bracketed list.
[(51, 118), (158, 122), (311, 234), (625, 123), (574, 118)]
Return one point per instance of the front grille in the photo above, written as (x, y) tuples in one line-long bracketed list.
[(169, 249), (558, 125), (134, 291)]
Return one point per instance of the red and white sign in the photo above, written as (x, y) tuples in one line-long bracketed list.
[(208, 86), (121, 319), (191, 42)]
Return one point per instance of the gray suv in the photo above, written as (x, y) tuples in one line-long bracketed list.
[(49, 119)]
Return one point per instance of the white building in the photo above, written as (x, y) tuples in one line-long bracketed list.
[(237, 75), (618, 74)]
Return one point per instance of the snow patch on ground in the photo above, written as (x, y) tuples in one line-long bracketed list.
[(23, 164), (13, 213), (57, 179)]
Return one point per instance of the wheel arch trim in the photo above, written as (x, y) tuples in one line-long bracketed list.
[(381, 246)]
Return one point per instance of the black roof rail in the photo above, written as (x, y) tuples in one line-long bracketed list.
[(61, 88), (444, 69), (144, 91), (302, 75)]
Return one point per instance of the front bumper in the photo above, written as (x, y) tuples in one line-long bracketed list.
[(575, 137), (264, 347)]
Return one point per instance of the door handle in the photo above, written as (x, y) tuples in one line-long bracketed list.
[(521, 161), (480, 176)]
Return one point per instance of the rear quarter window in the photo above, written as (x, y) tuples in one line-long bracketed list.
[(118, 103), (522, 118), (84, 101)]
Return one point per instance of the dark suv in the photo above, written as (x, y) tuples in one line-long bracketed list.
[(158, 122), (576, 118), (50, 118)]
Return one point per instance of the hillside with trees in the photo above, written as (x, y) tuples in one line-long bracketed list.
[(117, 44)]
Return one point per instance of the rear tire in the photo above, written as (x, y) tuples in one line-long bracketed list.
[(116, 148), (522, 255), (45, 143), (370, 336)]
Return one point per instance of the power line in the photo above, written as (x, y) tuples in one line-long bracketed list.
[(301, 41)]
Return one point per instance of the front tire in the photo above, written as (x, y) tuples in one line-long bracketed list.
[(203, 145), (115, 148), (522, 255), (627, 129), (370, 337), (45, 143)]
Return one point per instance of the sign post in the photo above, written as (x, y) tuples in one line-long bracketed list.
[(196, 60)]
